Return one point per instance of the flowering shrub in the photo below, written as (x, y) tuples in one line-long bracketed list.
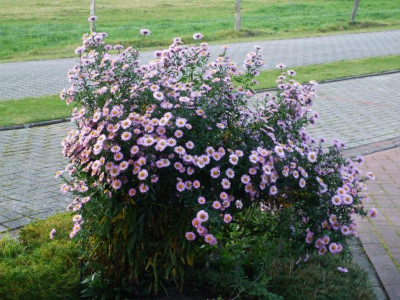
[(168, 156)]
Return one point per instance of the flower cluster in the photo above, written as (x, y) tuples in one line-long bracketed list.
[(186, 130)]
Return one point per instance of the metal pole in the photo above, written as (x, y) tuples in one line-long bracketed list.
[(353, 15), (92, 13), (237, 15)]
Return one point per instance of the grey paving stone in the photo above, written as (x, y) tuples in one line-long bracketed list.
[(3, 229), (18, 223), (36, 78)]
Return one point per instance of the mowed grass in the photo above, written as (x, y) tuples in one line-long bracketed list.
[(28, 110), (32, 29), (335, 70)]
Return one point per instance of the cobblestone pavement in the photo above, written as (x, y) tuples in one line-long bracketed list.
[(380, 237), (357, 111), (37, 78)]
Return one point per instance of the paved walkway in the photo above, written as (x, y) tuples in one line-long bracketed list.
[(380, 237), (37, 78)]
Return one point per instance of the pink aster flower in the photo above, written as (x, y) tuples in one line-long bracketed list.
[(145, 32), (342, 269), (202, 215), (326, 240), (201, 230), (210, 239), (92, 18), (190, 236), (196, 222), (118, 156), (189, 145), (227, 218), (319, 243), (77, 218), (239, 204), (223, 196), (309, 237), (181, 122), (216, 156), (302, 183), (360, 159), (230, 173), (126, 136), (116, 184), (312, 157), (273, 190), (336, 200), (373, 213), (142, 175), (370, 175), (233, 159), (134, 150), (132, 192), (201, 200), (143, 188), (279, 151), (216, 204), (115, 149), (347, 199), (158, 96), (345, 230), (322, 250), (178, 134), (196, 184), (245, 179), (76, 227), (281, 66), (52, 233), (333, 248), (180, 186), (226, 184), (197, 36), (215, 172)]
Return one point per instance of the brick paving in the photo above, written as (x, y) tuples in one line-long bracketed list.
[(380, 237), (37, 78)]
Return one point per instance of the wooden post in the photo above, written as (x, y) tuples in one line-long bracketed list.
[(353, 15), (237, 15), (92, 13)]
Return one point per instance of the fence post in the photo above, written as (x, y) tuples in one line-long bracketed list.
[(237, 15), (92, 13), (353, 15)]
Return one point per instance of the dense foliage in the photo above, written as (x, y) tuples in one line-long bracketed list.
[(36, 267), (171, 155)]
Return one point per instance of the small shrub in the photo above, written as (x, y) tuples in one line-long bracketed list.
[(37, 267), (170, 156)]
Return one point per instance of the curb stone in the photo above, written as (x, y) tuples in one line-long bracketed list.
[(36, 124), (362, 260)]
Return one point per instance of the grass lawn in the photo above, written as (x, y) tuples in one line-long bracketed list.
[(28, 110), (52, 28), (338, 69)]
